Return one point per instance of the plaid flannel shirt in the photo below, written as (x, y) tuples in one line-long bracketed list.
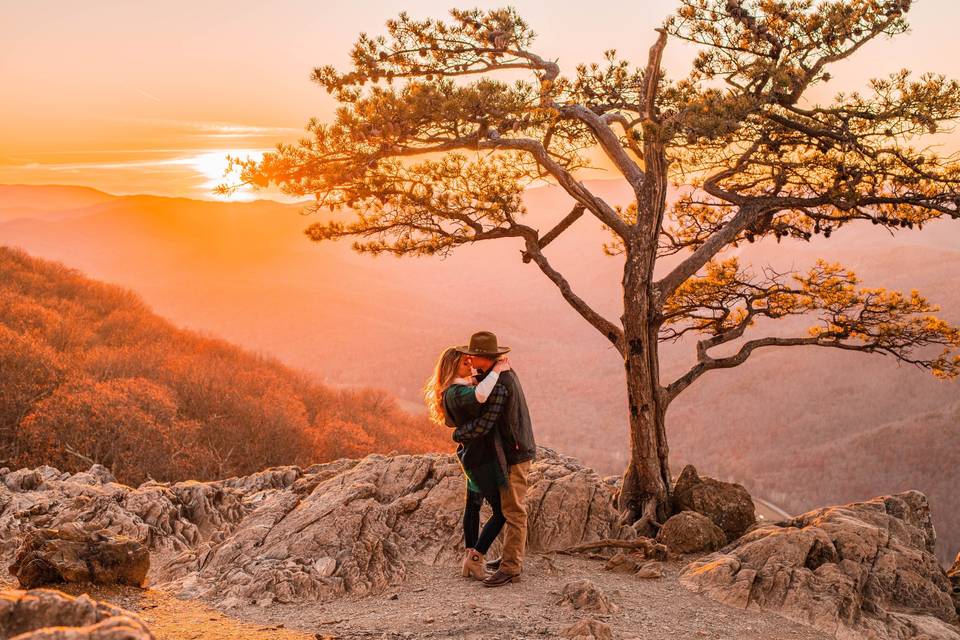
[(480, 451), (484, 424)]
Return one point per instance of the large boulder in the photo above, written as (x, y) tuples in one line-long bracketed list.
[(45, 614), (691, 532), (728, 505), (355, 530), (72, 554), (863, 570)]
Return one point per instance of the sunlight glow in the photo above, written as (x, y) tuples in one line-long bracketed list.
[(212, 165)]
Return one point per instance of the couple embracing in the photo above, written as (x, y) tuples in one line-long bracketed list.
[(475, 392)]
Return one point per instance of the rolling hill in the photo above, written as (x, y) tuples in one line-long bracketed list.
[(88, 374)]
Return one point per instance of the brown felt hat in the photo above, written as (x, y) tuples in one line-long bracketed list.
[(483, 343)]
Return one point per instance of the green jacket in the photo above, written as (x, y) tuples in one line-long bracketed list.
[(481, 451)]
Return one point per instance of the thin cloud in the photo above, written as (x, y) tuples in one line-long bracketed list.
[(147, 94), (215, 128), (192, 159)]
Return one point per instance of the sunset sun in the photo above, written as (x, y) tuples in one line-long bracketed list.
[(213, 165)]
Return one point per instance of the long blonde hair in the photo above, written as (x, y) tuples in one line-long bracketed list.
[(443, 374)]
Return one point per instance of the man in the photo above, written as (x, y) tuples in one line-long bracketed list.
[(516, 432)]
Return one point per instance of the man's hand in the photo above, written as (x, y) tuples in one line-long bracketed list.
[(503, 364)]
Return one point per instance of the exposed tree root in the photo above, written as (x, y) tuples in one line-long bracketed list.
[(643, 543)]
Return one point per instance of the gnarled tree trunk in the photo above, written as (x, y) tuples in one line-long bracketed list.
[(645, 491)]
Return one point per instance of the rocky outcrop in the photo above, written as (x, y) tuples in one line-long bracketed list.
[(863, 570), (72, 554), (728, 505), (354, 531), (691, 532), (45, 614), (165, 518), (290, 534)]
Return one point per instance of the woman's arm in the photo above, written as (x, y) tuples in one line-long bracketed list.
[(483, 389), (481, 426)]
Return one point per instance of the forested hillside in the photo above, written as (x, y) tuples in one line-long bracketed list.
[(89, 374)]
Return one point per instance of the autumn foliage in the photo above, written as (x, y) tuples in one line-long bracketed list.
[(89, 374)]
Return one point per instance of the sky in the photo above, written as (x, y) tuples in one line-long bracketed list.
[(149, 97)]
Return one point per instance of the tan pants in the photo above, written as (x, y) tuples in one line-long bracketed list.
[(515, 530)]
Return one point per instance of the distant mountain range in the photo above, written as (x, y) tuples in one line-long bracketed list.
[(800, 426)]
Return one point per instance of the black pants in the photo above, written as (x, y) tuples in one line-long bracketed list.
[(471, 521)]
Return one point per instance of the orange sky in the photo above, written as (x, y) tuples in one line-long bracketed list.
[(147, 97)]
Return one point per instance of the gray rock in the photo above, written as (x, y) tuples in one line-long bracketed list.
[(45, 614), (588, 630), (371, 517), (71, 554), (169, 520), (289, 534), (650, 571), (584, 594), (97, 474), (691, 532), (860, 570), (727, 504), (23, 479)]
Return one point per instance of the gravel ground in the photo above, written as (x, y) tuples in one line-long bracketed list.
[(435, 602)]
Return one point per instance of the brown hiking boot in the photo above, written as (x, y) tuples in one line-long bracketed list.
[(500, 578), (473, 565)]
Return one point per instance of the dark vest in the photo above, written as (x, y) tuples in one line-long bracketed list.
[(516, 430)]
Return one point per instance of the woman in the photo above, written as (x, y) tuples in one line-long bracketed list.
[(455, 399)]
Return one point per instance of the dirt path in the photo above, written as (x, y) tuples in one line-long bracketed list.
[(435, 602), (171, 618)]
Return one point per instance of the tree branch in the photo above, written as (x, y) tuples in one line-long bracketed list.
[(708, 364), (610, 331), (562, 226), (666, 286), (610, 144), (652, 75), (603, 211), (88, 460)]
